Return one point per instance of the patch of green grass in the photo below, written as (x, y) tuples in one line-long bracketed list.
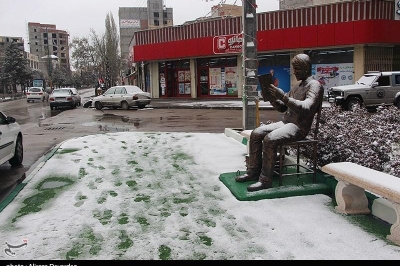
[(126, 242), (142, 197), (113, 193), (123, 219), (208, 222), (132, 162), (142, 221), (64, 151), (35, 203), (132, 184), (181, 156), (82, 172), (164, 252), (115, 171), (104, 218), (138, 170), (182, 200), (205, 240), (88, 241)]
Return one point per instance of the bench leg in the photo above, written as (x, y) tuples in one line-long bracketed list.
[(351, 199), (395, 228)]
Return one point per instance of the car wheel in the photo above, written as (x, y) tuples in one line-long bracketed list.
[(51, 107), (19, 153), (352, 102), (98, 106), (125, 105), (397, 102), (141, 106)]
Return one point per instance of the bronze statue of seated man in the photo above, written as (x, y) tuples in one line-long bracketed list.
[(299, 106)]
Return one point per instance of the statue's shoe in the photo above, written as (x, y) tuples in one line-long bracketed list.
[(246, 177), (259, 186)]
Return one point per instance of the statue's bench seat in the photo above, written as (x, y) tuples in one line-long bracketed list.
[(354, 180)]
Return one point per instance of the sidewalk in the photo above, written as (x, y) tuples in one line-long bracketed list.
[(210, 104)]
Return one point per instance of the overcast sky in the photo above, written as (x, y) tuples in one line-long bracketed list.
[(79, 16)]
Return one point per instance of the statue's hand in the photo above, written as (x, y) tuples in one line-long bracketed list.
[(275, 91)]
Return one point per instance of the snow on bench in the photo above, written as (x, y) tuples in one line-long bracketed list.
[(353, 180)]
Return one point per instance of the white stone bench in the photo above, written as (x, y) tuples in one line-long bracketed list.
[(354, 180)]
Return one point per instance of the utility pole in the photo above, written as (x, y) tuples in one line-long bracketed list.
[(48, 57), (143, 78), (250, 100)]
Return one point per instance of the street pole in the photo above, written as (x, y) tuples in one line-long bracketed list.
[(48, 57), (143, 78), (250, 71)]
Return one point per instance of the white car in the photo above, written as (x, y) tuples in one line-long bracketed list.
[(77, 96), (36, 93), (124, 96), (11, 148)]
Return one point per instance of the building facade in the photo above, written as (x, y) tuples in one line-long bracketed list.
[(51, 45), (133, 19), (204, 59)]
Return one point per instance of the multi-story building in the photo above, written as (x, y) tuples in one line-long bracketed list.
[(132, 19), (50, 45), (4, 40)]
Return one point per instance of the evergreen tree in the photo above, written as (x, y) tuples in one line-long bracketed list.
[(14, 67)]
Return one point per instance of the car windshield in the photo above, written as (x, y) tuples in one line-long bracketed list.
[(58, 92), (367, 79)]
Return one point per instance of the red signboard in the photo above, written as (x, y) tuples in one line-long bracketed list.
[(227, 44)]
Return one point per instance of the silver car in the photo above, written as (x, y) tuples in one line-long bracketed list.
[(63, 97), (78, 98), (124, 96)]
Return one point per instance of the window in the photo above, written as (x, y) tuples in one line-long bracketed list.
[(397, 79), (34, 30), (156, 14), (44, 35), (165, 15), (384, 81), (54, 35), (156, 22)]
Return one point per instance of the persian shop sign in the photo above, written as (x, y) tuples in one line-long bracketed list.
[(228, 44)]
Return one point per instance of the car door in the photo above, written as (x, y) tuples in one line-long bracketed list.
[(119, 96), (6, 137), (380, 94), (108, 97)]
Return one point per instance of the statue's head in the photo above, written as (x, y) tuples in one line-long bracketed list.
[(301, 66)]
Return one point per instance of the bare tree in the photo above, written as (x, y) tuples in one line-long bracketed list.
[(107, 48)]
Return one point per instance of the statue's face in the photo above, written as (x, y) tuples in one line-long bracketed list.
[(300, 69)]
